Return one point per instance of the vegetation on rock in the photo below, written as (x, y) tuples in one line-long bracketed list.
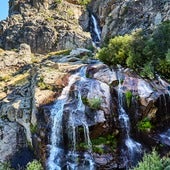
[(146, 54), (34, 165), (84, 2), (144, 125), (128, 96), (5, 166), (93, 103), (101, 143), (153, 161)]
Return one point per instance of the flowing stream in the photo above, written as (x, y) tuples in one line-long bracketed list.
[(59, 157), (134, 149)]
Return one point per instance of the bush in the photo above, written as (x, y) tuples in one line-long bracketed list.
[(94, 103), (117, 50), (145, 54), (34, 165), (144, 125), (128, 96), (147, 70), (83, 2), (5, 166), (153, 161), (150, 162)]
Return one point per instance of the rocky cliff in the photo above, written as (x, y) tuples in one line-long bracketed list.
[(118, 17), (45, 26)]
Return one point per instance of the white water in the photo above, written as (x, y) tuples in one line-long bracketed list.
[(165, 137), (144, 89), (134, 148), (96, 28), (57, 155)]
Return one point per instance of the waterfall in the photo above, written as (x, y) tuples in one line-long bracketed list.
[(58, 157), (134, 148), (95, 31)]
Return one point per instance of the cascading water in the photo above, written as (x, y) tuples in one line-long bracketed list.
[(134, 148), (95, 31), (59, 158)]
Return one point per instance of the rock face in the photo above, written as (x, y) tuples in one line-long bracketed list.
[(12, 138), (121, 17), (45, 26), (31, 83)]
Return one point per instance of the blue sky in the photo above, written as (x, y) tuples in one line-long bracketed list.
[(3, 9)]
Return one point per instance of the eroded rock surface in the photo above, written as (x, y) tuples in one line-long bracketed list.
[(45, 26)]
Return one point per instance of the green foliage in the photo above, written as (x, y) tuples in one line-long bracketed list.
[(163, 67), (150, 162), (5, 78), (117, 50), (128, 96), (93, 103), (143, 53), (42, 85), (144, 125), (5, 166), (33, 128), (57, 1), (82, 146), (60, 52), (34, 165), (168, 56), (147, 70), (100, 142), (153, 161), (83, 2)]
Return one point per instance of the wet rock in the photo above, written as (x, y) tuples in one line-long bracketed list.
[(102, 73)]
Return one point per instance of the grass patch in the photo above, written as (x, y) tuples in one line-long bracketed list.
[(144, 125), (99, 144), (128, 96), (93, 103), (33, 128), (44, 86), (34, 165), (60, 52)]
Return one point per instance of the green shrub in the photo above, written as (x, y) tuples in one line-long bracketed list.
[(83, 2), (153, 161), (150, 161), (128, 96), (57, 1), (145, 54), (34, 165), (94, 103), (147, 70), (164, 68), (42, 85), (5, 166), (117, 50), (101, 142), (144, 125), (33, 128)]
